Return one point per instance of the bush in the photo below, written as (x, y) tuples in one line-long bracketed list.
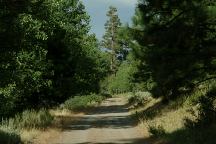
[(139, 99), (82, 102), (205, 110)]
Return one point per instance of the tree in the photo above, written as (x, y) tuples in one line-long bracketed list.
[(124, 40), (46, 54), (176, 41), (23, 54), (110, 39)]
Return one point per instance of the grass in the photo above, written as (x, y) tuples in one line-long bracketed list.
[(24, 127), (31, 119), (167, 123), (9, 135), (11, 130), (199, 135), (156, 131), (62, 118), (203, 135)]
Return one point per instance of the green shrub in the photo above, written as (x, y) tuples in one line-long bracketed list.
[(82, 102), (139, 99)]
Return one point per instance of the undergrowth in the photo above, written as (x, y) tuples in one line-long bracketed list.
[(139, 99), (78, 103), (9, 135), (189, 119), (10, 129)]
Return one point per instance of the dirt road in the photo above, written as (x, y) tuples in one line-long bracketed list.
[(108, 124)]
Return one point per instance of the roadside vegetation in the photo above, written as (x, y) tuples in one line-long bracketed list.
[(171, 44), (28, 124), (47, 56), (82, 103), (186, 120), (51, 65), (11, 129)]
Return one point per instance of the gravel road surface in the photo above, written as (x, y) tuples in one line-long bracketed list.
[(110, 123)]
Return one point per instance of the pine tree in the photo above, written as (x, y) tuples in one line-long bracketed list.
[(176, 42), (110, 39)]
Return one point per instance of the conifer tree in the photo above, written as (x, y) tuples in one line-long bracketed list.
[(175, 44), (110, 38)]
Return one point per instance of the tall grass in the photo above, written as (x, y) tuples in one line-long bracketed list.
[(31, 119), (10, 129), (9, 135)]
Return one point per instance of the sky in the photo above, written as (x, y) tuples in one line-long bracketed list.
[(97, 10)]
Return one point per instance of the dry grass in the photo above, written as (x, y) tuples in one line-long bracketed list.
[(143, 125), (61, 118), (28, 135), (166, 117), (170, 121), (174, 122), (45, 137)]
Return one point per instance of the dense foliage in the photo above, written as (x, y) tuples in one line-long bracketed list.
[(48, 56), (175, 44), (46, 53)]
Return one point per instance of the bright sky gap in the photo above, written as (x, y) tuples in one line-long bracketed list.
[(97, 9)]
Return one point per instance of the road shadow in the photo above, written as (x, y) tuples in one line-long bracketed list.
[(127, 141), (111, 118), (114, 122), (114, 116), (108, 109)]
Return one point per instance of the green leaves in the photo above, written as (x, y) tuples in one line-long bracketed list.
[(173, 40), (46, 53)]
